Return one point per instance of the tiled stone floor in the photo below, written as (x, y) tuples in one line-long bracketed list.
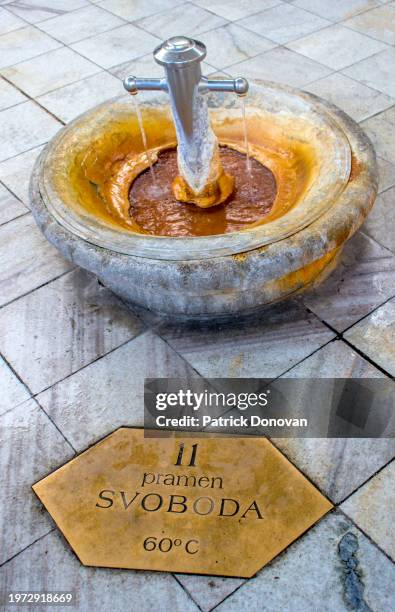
[(73, 358)]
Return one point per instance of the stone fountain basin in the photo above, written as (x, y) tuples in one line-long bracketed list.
[(295, 247)]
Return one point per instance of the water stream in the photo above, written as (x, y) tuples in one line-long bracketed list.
[(143, 135), (246, 145)]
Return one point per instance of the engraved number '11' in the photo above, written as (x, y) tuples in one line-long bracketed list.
[(181, 453)]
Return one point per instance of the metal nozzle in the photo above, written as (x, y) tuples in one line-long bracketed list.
[(181, 57)]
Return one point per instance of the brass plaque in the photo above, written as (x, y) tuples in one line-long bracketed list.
[(208, 505)]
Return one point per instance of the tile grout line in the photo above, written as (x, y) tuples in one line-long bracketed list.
[(38, 286), (26, 547), (61, 380), (367, 536), (376, 473), (35, 101), (13, 194), (32, 397), (189, 595)]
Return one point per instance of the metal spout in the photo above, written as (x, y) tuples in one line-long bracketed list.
[(197, 153), (181, 58)]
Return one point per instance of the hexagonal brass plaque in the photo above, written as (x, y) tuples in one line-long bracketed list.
[(201, 504)]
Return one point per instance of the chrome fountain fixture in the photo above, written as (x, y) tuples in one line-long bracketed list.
[(181, 58)]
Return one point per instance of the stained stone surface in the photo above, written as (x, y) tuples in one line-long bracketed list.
[(364, 279), (311, 574), (51, 562), (375, 336), (62, 327), (30, 447), (109, 392), (372, 508)]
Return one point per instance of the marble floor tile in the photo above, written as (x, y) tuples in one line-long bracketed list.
[(109, 393), (23, 268), (80, 24), (284, 23), (10, 206), (12, 391), (76, 98), (386, 174), (9, 95), (35, 11), (377, 71), (116, 46), (377, 225), (313, 574), (141, 66), (231, 44), (337, 10), (334, 360), (209, 591), (375, 336), (23, 44), (283, 66), (30, 448), (265, 345), (378, 23), (15, 173), (357, 100), (51, 563), (131, 11), (336, 466), (61, 327), (188, 19), (337, 47), (363, 279), (373, 509), (380, 130), (236, 9), (23, 127), (50, 71), (9, 22)]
